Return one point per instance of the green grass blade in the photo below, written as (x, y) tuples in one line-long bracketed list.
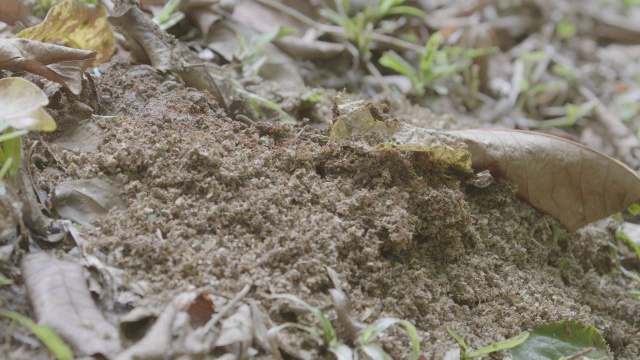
[(407, 10), (49, 338), (501, 345), (314, 332), (372, 331), (327, 328), (459, 339), (395, 62), (12, 135)]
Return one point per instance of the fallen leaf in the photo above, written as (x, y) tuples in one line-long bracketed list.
[(237, 328), (78, 25), (571, 182), (152, 45), (356, 123), (85, 200), (21, 102), (61, 300), (562, 339), (157, 343), (54, 62)]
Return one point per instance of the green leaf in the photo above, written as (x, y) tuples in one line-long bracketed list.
[(459, 339), (49, 338), (373, 330), (407, 10), (563, 338), (634, 209), (395, 62), (327, 329), (375, 352), (501, 345), (429, 54), (620, 235)]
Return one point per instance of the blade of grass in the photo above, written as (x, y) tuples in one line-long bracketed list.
[(501, 345), (49, 338)]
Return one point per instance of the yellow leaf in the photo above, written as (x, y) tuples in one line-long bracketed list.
[(77, 25)]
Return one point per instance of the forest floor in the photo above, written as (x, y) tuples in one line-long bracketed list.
[(210, 204)]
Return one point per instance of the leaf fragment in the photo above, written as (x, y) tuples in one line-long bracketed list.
[(356, 122), (85, 200), (54, 62)]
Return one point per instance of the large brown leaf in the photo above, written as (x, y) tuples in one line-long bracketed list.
[(54, 62), (571, 182), (150, 44)]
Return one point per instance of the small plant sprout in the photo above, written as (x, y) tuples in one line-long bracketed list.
[(363, 337), (362, 25), (249, 53), (167, 16), (466, 354), (434, 63)]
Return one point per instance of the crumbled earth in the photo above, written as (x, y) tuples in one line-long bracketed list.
[(216, 203)]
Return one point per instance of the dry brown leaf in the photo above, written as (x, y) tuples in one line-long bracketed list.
[(571, 182), (54, 62), (152, 45), (85, 200), (61, 300), (76, 24)]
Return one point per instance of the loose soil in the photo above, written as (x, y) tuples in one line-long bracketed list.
[(215, 203)]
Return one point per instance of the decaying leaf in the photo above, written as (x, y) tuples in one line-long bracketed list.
[(357, 123), (21, 105), (237, 329), (54, 62), (76, 24), (85, 200), (157, 343), (61, 300), (152, 45), (571, 182)]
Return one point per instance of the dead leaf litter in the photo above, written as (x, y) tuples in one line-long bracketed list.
[(215, 203)]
